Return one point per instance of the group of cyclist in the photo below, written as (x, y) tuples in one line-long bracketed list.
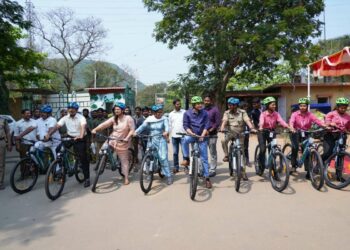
[(201, 124)]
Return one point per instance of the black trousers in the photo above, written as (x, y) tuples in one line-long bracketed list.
[(296, 139), (79, 147), (246, 147), (329, 140), (264, 139)]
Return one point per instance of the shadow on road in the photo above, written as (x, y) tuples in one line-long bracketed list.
[(289, 191), (156, 189), (203, 194)]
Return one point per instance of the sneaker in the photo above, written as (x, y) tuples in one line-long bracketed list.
[(208, 184), (212, 174), (169, 180), (87, 183), (185, 163), (225, 159)]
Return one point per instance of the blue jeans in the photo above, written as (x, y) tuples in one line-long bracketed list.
[(203, 151), (176, 143)]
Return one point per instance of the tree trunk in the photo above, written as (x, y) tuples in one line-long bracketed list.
[(4, 97)]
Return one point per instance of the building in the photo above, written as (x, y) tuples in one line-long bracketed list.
[(288, 94)]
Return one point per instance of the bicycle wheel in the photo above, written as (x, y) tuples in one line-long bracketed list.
[(24, 176), (316, 169), (258, 168), (230, 163), (131, 162), (237, 168), (337, 170), (279, 172), (193, 175), (287, 151), (78, 173), (100, 168), (146, 173), (55, 180)]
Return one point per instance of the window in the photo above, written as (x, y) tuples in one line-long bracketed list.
[(322, 100)]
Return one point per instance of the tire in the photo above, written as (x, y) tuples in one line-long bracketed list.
[(100, 168), (52, 176), (24, 176), (131, 162), (160, 170), (258, 169), (78, 173), (316, 169), (238, 172), (193, 175), (333, 171), (279, 172), (146, 174), (230, 163), (287, 151)]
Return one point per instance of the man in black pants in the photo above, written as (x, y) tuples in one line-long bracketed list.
[(76, 129)]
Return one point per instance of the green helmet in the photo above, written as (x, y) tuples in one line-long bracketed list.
[(342, 101), (196, 99), (304, 100), (268, 100)]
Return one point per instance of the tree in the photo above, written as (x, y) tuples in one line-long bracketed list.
[(18, 65), (69, 38), (331, 46), (226, 37), (106, 75), (146, 97)]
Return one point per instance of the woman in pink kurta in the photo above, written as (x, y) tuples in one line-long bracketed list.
[(123, 129)]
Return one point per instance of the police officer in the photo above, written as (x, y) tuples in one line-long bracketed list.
[(4, 136)]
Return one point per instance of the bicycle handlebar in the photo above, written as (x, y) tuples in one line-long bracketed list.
[(198, 136)]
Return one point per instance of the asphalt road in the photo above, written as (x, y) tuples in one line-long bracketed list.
[(122, 217)]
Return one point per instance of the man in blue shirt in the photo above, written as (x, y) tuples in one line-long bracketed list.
[(196, 123)]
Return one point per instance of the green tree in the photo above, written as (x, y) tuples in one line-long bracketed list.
[(106, 75), (331, 46), (146, 97), (226, 37), (18, 65)]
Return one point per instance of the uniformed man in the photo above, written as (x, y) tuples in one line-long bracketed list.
[(235, 120), (5, 137)]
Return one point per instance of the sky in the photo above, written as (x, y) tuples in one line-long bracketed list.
[(130, 28)]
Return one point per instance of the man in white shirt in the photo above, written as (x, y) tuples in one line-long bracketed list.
[(176, 126), (25, 133), (76, 129), (45, 124)]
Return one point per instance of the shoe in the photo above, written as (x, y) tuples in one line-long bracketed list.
[(175, 170), (212, 174), (87, 183), (185, 163), (225, 159), (244, 176), (307, 177), (2, 186), (208, 184), (169, 180), (341, 179)]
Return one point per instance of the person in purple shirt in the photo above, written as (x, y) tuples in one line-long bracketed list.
[(214, 120), (196, 123)]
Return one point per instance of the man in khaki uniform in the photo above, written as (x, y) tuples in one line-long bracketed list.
[(235, 120), (4, 136)]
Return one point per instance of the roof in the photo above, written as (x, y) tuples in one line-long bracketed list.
[(105, 90), (304, 85)]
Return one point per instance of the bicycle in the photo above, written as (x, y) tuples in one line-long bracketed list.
[(310, 153), (149, 165), (25, 174), (109, 161), (66, 163), (276, 162), (235, 156), (337, 166), (196, 170)]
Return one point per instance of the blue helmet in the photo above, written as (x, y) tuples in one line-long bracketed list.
[(233, 101), (120, 105), (46, 108), (157, 107), (73, 105)]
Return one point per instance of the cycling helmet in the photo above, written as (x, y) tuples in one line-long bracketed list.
[(268, 100), (157, 107), (196, 99), (120, 105), (233, 101), (342, 101), (46, 108), (73, 105), (304, 100)]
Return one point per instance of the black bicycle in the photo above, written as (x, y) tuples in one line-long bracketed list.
[(150, 164), (337, 166), (310, 155), (108, 160), (66, 163), (276, 163)]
